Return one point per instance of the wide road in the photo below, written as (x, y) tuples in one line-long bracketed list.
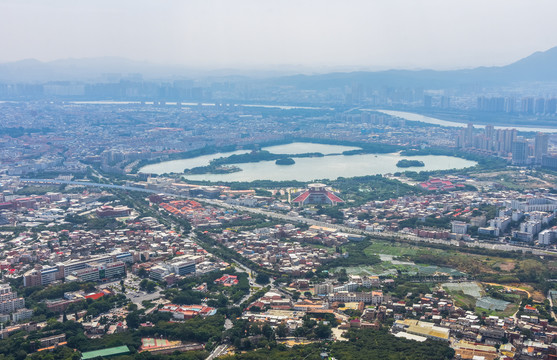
[(550, 298), (388, 235), (384, 234), (219, 351)]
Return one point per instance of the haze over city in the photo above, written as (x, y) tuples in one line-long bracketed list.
[(309, 35)]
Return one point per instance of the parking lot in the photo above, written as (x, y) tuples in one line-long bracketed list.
[(132, 290)]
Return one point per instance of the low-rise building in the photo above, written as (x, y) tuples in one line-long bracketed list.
[(372, 297), (422, 328)]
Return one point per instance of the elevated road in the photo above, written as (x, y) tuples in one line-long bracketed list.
[(387, 235)]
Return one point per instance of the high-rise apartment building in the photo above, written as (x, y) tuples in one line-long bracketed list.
[(540, 146), (519, 152)]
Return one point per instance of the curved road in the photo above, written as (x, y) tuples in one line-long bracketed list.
[(512, 288)]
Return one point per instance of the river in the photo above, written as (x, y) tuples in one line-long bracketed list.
[(430, 120)]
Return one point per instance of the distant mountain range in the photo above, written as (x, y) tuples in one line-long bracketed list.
[(538, 67)]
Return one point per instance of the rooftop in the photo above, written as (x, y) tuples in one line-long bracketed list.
[(114, 351)]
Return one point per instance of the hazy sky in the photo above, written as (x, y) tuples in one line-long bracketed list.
[(261, 33)]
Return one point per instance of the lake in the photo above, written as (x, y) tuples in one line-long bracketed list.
[(308, 169), (178, 166)]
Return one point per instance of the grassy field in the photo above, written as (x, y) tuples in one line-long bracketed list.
[(329, 249), (386, 268), (509, 311), (471, 264), (463, 300), (37, 190), (467, 295), (515, 181), (395, 249), (497, 268), (501, 268), (459, 259)]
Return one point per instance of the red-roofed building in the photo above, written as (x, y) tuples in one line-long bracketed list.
[(7, 205), (95, 296), (257, 304), (227, 280), (109, 211), (439, 184), (188, 311), (317, 194)]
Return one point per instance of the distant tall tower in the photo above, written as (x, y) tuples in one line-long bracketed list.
[(461, 138), (489, 131), (540, 146), (539, 107), (470, 134), (509, 104), (509, 138), (445, 102), (550, 106), (527, 105), (490, 135), (519, 152)]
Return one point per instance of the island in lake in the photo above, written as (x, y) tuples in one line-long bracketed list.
[(212, 169), (404, 163), (285, 161)]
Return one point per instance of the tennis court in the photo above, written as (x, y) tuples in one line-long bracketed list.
[(153, 343)]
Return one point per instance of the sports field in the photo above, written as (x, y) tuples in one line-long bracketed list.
[(153, 343)]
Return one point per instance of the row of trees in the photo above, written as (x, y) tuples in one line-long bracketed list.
[(363, 189), (203, 330), (353, 255), (184, 295)]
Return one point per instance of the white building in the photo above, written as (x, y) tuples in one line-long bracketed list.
[(459, 227), (373, 297), (531, 227), (323, 289), (9, 302), (535, 204), (547, 236), (158, 273), (501, 223), (21, 315)]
